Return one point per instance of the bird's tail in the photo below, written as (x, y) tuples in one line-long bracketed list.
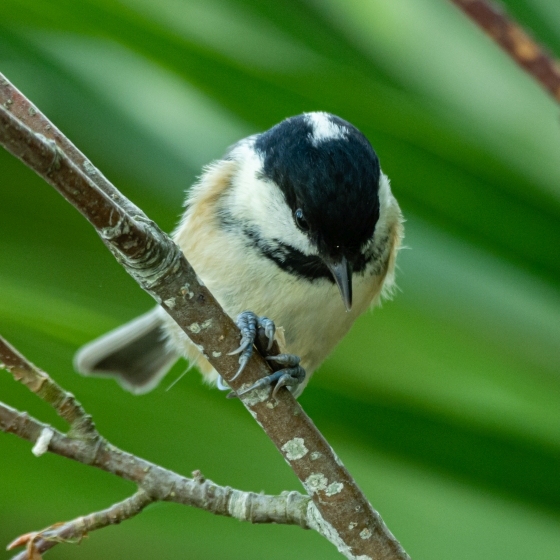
[(136, 354)]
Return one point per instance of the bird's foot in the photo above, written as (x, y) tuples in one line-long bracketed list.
[(248, 324), (290, 376)]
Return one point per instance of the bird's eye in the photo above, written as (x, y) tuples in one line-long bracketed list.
[(301, 221)]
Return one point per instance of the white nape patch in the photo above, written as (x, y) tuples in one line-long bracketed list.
[(386, 198), (389, 226), (323, 128), (388, 210), (42, 444), (256, 202)]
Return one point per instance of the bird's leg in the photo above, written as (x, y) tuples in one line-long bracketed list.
[(290, 376)]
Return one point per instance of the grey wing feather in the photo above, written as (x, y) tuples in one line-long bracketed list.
[(136, 354)]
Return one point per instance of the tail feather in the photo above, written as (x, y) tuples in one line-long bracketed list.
[(136, 354)]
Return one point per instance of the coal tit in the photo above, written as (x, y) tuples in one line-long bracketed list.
[(297, 224)]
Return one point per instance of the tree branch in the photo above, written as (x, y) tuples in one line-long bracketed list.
[(38, 382), (290, 508), (339, 511), (516, 42), (159, 483), (75, 530), (155, 483)]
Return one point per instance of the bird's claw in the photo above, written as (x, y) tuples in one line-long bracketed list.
[(248, 324), (288, 360), (290, 376), (244, 344)]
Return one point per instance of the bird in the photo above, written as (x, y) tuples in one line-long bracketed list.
[(294, 230)]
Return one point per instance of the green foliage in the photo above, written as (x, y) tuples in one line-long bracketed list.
[(443, 404)]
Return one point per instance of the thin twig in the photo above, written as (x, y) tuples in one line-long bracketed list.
[(37, 381), (341, 512), (288, 508), (161, 484), (73, 531), (516, 42)]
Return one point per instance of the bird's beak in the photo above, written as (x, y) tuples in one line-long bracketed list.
[(342, 273)]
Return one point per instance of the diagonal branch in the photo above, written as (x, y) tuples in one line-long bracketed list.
[(341, 511), (516, 42), (27, 113)]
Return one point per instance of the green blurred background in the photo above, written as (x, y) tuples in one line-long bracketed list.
[(444, 404)]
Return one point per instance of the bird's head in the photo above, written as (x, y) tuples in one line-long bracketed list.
[(307, 194)]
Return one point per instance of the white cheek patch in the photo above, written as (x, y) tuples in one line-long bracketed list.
[(256, 202), (324, 129)]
